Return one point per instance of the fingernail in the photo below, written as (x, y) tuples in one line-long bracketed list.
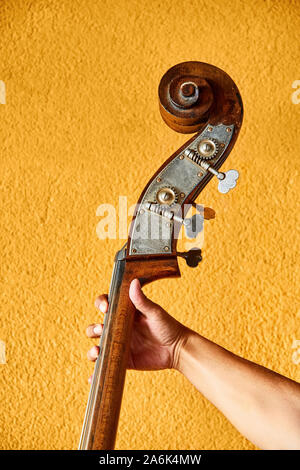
[(98, 330), (94, 352), (102, 307)]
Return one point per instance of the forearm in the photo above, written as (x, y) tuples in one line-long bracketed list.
[(262, 405)]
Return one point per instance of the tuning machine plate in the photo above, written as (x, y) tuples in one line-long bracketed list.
[(151, 233)]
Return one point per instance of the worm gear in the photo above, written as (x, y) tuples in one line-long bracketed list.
[(168, 195), (208, 148)]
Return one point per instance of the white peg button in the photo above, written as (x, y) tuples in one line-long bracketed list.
[(229, 182)]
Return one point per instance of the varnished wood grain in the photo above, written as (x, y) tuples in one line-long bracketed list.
[(104, 419)]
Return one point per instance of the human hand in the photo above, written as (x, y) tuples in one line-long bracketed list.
[(156, 339)]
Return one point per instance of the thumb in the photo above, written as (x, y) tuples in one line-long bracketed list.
[(140, 301)]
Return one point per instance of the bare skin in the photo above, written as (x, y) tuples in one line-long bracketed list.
[(263, 405)]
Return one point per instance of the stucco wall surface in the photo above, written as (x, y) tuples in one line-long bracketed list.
[(80, 127)]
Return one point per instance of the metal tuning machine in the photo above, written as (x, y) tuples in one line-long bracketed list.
[(227, 180)]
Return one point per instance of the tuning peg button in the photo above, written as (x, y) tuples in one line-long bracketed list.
[(194, 225), (192, 257), (229, 182)]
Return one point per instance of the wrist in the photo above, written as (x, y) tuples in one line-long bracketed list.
[(182, 345)]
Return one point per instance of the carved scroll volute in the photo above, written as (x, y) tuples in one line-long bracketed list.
[(193, 94), (194, 97)]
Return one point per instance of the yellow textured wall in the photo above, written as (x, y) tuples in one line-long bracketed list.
[(79, 128)]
